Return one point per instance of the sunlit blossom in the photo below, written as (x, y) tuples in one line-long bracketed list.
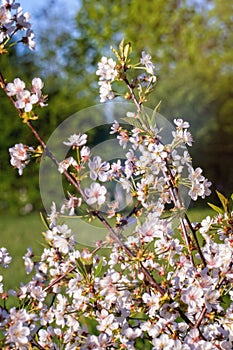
[(76, 140), (96, 194), (154, 287)]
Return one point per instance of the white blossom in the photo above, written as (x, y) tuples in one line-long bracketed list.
[(66, 163), (16, 87), (18, 334), (95, 194), (106, 92), (5, 258), (28, 263), (106, 69), (146, 61), (181, 124), (25, 100), (99, 169), (76, 140)]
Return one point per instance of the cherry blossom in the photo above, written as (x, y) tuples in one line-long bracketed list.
[(10, 4), (181, 123), (99, 169), (13, 20), (106, 69), (28, 262), (28, 39), (85, 153), (71, 204), (76, 140), (106, 92), (163, 285), (146, 61), (25, 99), (16, 87), (18, 335), (5, 15), (66, 163), (163, 342), (5, 258), (20, 156), (107, 73), (95, 194)]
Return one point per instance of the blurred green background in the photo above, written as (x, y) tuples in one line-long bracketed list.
[(191, 45)]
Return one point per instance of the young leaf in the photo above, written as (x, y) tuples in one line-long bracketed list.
[(154, 114), (147, 120), (224, 201), (134, 122), (99, 267), (127, 50), (44, 220), (116, 53), (81, 268), (215, 208)]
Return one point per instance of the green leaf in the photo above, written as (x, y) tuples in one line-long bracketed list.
[(134, 122), (216, 208), (224, 201), (154, 114), (116, 53), (81, 268), (127, 50), (44, 220), (148, 121), (121, 47), (99, 268)]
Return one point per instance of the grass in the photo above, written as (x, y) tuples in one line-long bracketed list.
[(18, 233)]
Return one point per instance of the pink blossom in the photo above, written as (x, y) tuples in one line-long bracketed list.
[(20, 156), (16, 87), (25, 100)]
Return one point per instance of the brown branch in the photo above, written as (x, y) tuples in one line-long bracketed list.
[(58, 279), (138, 105), (129, 253), (195, 239), (180, 205), (200, 318)]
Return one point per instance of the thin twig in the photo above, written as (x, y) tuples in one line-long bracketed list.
[(200, 318), (58, 279), (138, 105), (195, 239), (178, 204)]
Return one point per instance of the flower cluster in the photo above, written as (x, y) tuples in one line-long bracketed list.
[(110, 71), (25, 99), (146, 61), (157, 166), (159, 287), (107, 72), (13, 20), (116, 296), (20, 156), (5, 258)]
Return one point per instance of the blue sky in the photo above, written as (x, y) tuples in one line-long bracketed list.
[(32, 6)]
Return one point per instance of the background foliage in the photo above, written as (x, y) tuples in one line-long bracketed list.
[(190, 43)]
